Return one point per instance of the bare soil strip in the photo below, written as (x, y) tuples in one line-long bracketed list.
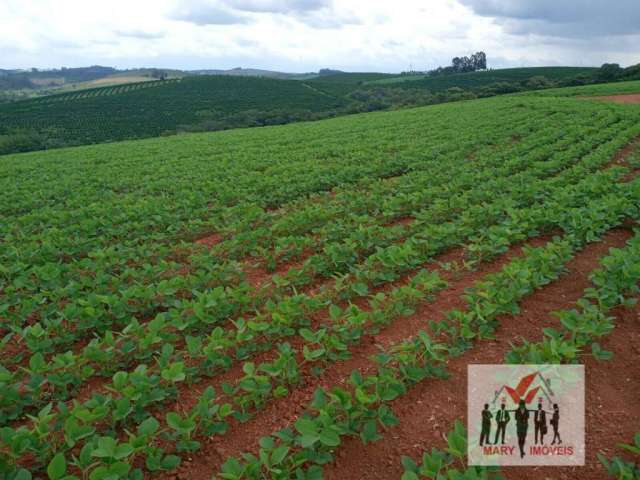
[(210, 240), (429, 410), (631, 98)]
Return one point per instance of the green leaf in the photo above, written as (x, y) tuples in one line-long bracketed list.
[(307, 441), (106, 448), (631, 448), (409, 476), (174, 373), (457, 441), (123, 451), (306, 426), (149, 426), (600, 354), (173, 420), (329, 438), (267, 443), (57, 467), (279, 454), (307, 334), (370, 432), (314, 472), (249, 368), (334, 312), (23, 475), (232, 469), (170, 462), (408, 463)]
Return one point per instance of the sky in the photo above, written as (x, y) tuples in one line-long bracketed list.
[(306, 35)]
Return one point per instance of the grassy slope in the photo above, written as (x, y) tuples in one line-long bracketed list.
[(479, 79), (590, 90)]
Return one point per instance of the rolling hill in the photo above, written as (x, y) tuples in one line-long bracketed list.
[(153, 108)]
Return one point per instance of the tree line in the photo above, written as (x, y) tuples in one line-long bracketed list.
[(472, 63)]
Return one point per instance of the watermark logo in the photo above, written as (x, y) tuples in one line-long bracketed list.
[(525, 414)]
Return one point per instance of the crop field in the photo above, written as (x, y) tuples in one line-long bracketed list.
[(482, 78), (302, 301), (342, 84), (149, 109), (621, 88)]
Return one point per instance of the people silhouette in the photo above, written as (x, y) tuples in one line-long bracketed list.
[(486, 425), (502, 418), (522, 424), (555, 423), (540, 423)]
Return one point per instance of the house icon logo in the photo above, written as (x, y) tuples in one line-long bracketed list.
[(526, 414), (526, 390)]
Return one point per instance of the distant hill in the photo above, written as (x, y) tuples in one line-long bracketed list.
[(46, 82), (35, 78), (255, 72)]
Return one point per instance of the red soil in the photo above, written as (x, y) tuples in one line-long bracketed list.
[(621, 157), (429, 410), (402, 221), (11, 350), (257, 275), (210, 240), (627, 98)]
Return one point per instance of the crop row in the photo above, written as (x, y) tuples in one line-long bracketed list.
[(100, 91)]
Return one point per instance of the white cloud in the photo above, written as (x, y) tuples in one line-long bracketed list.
[(146, 35), (292, 35), (207, 13), (277, 6)]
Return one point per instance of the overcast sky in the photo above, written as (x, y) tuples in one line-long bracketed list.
[(305, 35)]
